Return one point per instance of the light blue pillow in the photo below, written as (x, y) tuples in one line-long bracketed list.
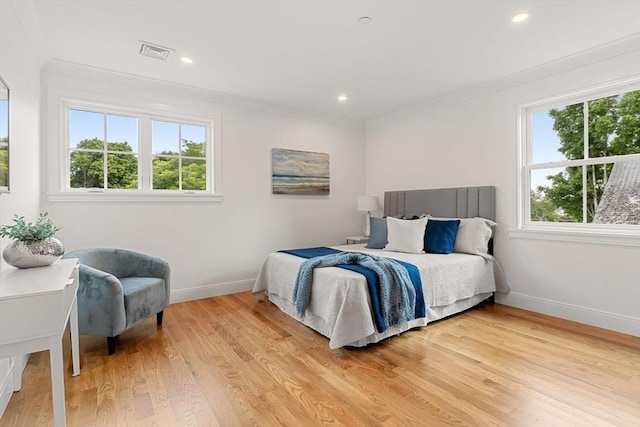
[(440, 237), (377, 233)]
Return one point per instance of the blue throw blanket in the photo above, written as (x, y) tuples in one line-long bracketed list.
[(394, 286)]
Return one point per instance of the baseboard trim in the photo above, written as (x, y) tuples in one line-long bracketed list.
[(602, 319), (213, 290)]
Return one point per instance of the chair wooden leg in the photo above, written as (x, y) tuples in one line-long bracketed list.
[(111, 345), (159, 318)]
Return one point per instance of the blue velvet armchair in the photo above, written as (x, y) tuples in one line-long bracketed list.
[(119, 288)]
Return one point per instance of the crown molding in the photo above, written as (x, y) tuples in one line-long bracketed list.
[(627, 45), (86, 72)]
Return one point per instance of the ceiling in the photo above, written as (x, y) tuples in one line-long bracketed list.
[(303, 54)]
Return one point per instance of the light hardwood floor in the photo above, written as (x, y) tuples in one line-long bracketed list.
[(231, 361)]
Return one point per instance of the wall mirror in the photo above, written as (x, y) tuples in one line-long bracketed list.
[(4, 137)]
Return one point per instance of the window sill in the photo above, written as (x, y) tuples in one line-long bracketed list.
[(582, 235), (134, 197)]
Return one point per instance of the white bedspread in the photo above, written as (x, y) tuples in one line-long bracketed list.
[(340, 307)]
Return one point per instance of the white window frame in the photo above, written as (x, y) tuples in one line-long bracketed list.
[(617, 234), (144, 192)]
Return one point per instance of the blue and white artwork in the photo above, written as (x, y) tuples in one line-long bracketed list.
[(299, 172)]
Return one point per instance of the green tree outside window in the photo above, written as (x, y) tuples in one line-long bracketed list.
[(613, 129)]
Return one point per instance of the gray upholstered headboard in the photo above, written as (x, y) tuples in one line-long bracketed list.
[(462, 202)]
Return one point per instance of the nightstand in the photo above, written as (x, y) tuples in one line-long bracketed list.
[(35, 306), (357, 239)]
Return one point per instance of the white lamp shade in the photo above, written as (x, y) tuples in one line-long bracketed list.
[(367, 203)]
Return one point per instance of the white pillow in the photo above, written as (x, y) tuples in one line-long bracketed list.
[(473, 235), (406, 235)]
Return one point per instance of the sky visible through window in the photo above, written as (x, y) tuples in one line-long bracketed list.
[(545, 148), (165, 135), (547, 141), (88, 125), (4, 126)]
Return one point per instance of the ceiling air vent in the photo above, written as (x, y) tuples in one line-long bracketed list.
[(155, 51)]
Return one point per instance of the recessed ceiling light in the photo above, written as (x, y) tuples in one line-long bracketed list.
[(364, 19), (520, 17), (342, 98), (186, 60)]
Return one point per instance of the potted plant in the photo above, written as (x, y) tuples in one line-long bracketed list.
[(33, 243)]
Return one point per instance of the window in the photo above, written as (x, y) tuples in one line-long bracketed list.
[(123, 152), (580, 161), (179, 156), (103, 150)]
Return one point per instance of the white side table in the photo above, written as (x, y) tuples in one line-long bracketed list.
[(352, 240), (35, 305)]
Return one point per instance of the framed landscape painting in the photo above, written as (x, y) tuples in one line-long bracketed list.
[(299, 172)]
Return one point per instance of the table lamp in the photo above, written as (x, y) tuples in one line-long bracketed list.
[(367, 204)]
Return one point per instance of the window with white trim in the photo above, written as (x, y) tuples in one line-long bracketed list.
[(123, 151), (103, 150), (179, 159), (580, 161)]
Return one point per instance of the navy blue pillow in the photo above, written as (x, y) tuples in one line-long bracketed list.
[(377, 233), (440, 236)]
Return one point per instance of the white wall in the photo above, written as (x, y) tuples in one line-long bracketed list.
[(213, 248), (20, 69), (468, 142)]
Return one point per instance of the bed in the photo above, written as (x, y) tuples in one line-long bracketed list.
[(340, 307)]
